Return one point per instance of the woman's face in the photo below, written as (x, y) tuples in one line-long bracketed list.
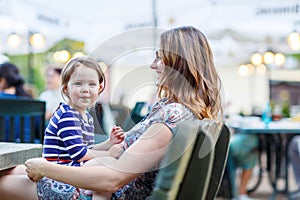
[(52, 79), (2, 84), (157, 64)]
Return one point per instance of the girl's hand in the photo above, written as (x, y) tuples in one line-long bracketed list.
[(116, 135), (76, 194), (34, 168), (116, 150)]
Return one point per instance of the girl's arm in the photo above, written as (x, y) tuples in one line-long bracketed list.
[(115, 151), (103, 146), (140, 157)]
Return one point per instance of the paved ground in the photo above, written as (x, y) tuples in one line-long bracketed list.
[(265, 190)]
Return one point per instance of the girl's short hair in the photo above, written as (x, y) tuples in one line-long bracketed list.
[(73, 63)]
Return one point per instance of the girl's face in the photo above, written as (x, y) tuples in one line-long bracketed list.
[(158, 64), (83, 88)]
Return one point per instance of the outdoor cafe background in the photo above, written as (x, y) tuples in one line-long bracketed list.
[(236, 30)]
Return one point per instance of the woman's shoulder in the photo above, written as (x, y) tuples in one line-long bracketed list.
[(171, 111), (175, 107)]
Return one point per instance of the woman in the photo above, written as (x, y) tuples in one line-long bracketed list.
[(52, 95), (188, 88), (12, 86), (11, 82)]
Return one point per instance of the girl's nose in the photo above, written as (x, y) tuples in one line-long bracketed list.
[(85, 88)]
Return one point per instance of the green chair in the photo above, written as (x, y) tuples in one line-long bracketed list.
[(134, 116), (120, 113), (186, 168), (22, 120), (219, 163)]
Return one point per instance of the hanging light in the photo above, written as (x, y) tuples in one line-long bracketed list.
[(14, 40), (293, 40), (37, 40), (251, 68), (261, 69), (268, 57), (260, 63), (62, 56), (78, 54), (243, 70), (256, 59), (279, 59)]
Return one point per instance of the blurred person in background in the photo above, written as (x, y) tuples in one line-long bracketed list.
[(31, 89), (52, 95), (12, 86), (294, 156), (11, 82), (243, 155)]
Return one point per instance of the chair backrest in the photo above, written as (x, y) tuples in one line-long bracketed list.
[(22, 120), (135, 116), (97, 113), (120, 112), (219, 163), (187, 166)]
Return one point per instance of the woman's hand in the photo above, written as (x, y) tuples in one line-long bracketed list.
[(34, 168), (116, 135)]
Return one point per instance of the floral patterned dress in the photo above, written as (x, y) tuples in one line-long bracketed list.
[(164, 112)]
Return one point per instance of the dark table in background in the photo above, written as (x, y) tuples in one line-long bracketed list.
[(274, 139)]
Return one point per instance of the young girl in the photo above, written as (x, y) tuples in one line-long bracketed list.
[(71, 130), (69, 137)]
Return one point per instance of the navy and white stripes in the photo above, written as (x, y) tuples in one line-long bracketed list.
[(68, 136)]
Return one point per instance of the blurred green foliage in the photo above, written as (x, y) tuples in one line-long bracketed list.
[(40, 61)]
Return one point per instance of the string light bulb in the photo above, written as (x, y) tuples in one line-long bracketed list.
[(14, 40), (268, 57), (37, 40), (293, 40), (256, 59)]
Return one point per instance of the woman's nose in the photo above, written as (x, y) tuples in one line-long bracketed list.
[(154, 64)]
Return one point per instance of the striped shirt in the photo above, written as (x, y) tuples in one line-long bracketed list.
[(68, 136)]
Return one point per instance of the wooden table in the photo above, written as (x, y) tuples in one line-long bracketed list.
[(13, 154)]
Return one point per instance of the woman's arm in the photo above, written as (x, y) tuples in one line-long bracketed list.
[(140, 157)]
